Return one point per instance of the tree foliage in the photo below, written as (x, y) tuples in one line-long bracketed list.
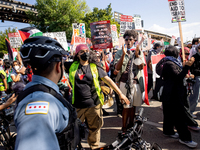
[(3, 35), (58, 15), (99, 15)]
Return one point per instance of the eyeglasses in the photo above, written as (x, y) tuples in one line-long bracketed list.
[(128, 39)]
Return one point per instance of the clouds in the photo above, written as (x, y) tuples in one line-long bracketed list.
[(189, 30)]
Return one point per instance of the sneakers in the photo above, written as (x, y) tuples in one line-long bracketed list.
[(190, 144), (175, 135), (195, 128)]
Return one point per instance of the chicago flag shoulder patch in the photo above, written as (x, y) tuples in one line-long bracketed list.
[(38, 107)]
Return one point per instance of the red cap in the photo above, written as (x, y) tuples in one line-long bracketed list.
[(81, 47)]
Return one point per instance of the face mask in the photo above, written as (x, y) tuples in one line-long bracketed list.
[(16, 67), (85, 56)]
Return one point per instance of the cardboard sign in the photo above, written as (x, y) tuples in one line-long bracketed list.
[(15, 40), (177, 9), (114, 35), (101, 35), (60, 37), (126, 23)]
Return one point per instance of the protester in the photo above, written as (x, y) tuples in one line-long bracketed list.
[(189, 45), (195, 70), (155, 51), (193, 51), (3, 82), (17, 72), (113, 75), (84, 74), (127, 70), (8, 71), (174, 96)]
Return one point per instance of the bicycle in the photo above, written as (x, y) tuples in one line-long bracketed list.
[(132, 138)]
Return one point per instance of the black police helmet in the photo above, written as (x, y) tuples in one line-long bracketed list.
[(37, 50)]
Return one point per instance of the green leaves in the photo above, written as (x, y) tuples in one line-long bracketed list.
[(58, 15), (99, 15), (3, 35)]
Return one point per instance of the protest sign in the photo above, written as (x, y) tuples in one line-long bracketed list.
[(15, 40), (114, 35), (101, 35), (137, 22), (145, 42), (79, 34), (60, 37), (177, 9), (172, 42), (126, 23), (154, 60)]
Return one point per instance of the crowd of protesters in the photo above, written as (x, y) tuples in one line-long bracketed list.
[(179, 98)]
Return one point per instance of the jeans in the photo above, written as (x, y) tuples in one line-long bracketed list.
[(193, 98)]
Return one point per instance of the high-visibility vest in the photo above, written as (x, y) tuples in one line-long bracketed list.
[(95, 75), (1, 80)]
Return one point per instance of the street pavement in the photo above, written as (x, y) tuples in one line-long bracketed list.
[(152, 128)]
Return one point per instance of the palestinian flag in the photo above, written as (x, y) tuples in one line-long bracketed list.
[(29, 32), (10, 52)]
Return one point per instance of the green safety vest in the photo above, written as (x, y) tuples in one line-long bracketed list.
[(1, 81), (95, 74)]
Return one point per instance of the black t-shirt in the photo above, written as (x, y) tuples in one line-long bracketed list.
[(85, 92)]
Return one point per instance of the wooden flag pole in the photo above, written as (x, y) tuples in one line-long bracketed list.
[(182, 46)]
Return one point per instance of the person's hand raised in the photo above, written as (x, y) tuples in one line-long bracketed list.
[(124, 49)]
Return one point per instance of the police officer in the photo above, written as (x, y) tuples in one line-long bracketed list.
[(40, 115)]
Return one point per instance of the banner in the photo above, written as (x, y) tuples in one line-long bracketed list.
[(126, 23), (137, 22), (60, 37), (114, 35), (154, 60), (15, 40), (177, 9), (101, 35)]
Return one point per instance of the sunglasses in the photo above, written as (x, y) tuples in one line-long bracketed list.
[(187, 53), (128, 39)]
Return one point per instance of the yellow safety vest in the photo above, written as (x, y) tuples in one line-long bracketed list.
[(95, 74), (1, 81)]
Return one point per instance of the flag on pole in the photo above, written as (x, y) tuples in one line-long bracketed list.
[(29, 32), (10, 52)]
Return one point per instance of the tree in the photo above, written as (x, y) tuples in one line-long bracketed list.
[(99, 15), (3, 35), (58, 15)]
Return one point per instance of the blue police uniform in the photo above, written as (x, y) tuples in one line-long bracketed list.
[(38, 118)]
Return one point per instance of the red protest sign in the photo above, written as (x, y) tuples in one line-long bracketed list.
[(126, 18), (101, 35)]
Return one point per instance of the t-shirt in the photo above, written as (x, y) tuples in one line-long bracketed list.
[(124, 76), (85, 92)]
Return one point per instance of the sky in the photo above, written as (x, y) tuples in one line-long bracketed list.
[(155, 13)]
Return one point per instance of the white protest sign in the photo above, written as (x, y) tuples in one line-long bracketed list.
[(137, 22), (177, 9), (126, 23), (114, 35), (59, 36), (79, 35), (172, 42), (15, 40)]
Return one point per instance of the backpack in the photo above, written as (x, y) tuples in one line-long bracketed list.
[(68, 138)]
